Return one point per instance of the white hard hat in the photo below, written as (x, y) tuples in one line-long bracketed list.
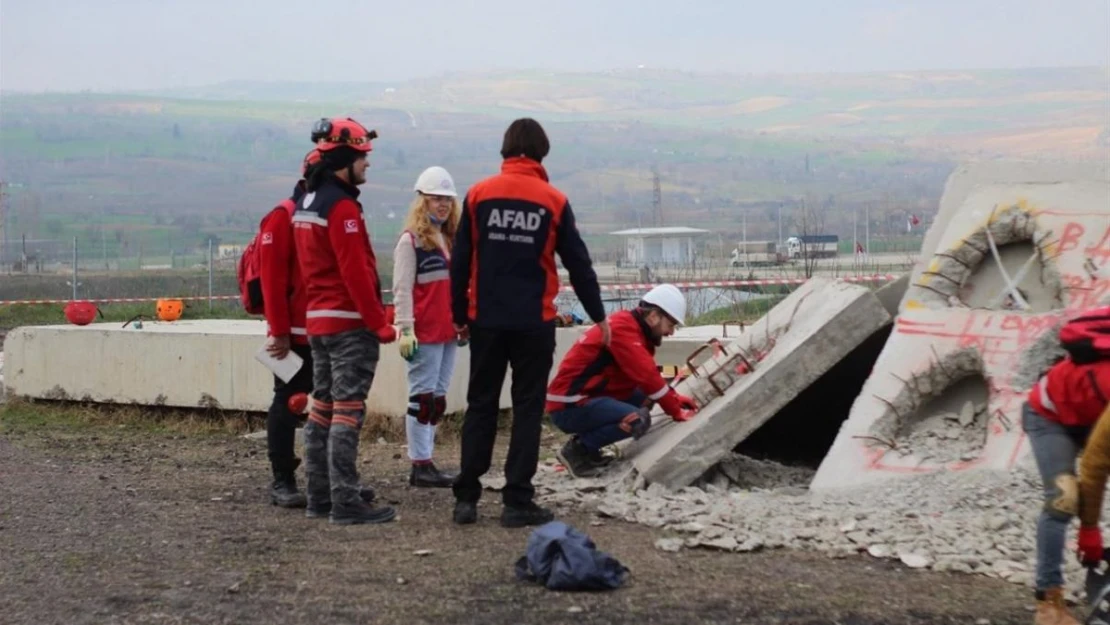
[(670, 300), (435, 181)]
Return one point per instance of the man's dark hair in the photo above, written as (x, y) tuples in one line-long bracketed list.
[(525, 136)]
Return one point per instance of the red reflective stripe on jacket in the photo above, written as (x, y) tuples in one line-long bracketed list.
[(1072, 394), (283, 289), (591, 370)]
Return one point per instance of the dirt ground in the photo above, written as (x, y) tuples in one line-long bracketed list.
[(104, 522)]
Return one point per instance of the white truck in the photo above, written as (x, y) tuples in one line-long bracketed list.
[(757, 254), (812, 246)]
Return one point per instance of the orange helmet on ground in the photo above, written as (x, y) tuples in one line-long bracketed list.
[(329, 134), (169, 309)]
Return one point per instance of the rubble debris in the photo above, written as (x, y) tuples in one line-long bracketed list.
[(977, 521)]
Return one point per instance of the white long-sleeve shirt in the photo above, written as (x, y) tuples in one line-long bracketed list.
[(404, 276)]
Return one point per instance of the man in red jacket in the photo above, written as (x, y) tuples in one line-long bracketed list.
[(345, 320), (600, 392), (284, 300)]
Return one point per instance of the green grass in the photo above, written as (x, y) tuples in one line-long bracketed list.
[(747, 312), (12, 316), (73, 420)]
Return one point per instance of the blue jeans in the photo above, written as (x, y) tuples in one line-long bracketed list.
[(597, 422), (429, 372), (1055, 448)]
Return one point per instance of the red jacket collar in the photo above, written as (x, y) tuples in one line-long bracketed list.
[(525, 166)]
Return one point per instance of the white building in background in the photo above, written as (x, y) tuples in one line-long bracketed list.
[(674, 244)]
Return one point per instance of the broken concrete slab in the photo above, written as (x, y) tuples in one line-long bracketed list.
[(1044, 228), (792, 346)]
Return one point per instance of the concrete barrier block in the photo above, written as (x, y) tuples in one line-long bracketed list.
[(795, 343), (206, 363)]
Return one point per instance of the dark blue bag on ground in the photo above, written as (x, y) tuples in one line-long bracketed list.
[(562, 558)]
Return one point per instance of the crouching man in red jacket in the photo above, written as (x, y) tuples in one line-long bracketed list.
[(345, 320), (600, 394)]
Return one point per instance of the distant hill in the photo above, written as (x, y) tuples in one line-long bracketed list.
[(1009, 111), (179, 165)]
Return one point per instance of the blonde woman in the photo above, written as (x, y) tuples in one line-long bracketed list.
[(422, 302)]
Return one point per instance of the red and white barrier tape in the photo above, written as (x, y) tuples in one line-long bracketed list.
[(566, 289)]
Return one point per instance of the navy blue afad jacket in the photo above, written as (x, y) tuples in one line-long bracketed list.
[(503, 273)]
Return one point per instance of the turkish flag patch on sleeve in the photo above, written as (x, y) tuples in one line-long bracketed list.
[(350, 226)]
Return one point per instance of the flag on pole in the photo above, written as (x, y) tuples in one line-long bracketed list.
[(859, 247), (911, 222)]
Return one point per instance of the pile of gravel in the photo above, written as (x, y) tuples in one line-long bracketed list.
[(976, 521)]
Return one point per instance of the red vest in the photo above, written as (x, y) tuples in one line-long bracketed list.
[(431, 295), (1072, 394)]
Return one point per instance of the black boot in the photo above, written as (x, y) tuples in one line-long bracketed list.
[(428, 476), (365, 493), (579, 461), (359, 512), (466, 512), (521, 516), (283, 490)]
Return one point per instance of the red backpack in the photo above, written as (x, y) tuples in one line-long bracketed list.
[(1086, 338), (249, 271)]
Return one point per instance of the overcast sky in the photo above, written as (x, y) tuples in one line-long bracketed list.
[(65, 45)]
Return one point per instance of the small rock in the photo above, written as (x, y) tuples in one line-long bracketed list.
[(849, 527), (574, 609), (402, 581), (879, 551), (915, 560), (727, 543), (234, 588), (967, 413), (669, 544), (858, 538), (753, 543), (422, 552), (983, 621)]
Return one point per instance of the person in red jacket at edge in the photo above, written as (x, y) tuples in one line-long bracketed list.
[(600, 393), (503, 287), (1058, 416), (345, 320), (284, 304)]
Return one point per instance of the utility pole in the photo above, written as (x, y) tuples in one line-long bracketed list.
[(780, 223), (656, 197), (3, 224), (744, 245), (867, 229)]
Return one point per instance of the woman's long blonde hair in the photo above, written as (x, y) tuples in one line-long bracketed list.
[(424, 231)]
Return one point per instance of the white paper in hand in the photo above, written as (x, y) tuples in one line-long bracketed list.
[(285, 368)]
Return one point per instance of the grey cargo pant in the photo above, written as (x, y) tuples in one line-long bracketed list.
[(343, 370)]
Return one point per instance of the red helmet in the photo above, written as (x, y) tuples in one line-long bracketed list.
[(310, 159), (81, 312), (329, 134)]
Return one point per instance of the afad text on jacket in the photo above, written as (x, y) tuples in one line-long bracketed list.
[(503, 272)]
